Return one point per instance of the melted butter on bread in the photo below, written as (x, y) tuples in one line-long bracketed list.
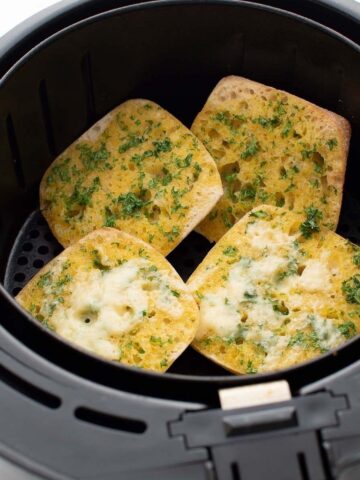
[(114, 295), (273, 293), (138, 169), (271, 147)]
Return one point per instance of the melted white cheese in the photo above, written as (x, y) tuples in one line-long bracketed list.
[(262, 235), (221, 311), (327, 332), (231, 306), (103, 305), (315, 277)]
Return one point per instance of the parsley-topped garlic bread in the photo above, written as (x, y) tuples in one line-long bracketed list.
[(271, 147), (139, 170), (116, 296), (275, 291)]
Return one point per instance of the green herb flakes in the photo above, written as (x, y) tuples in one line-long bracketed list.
[(259, 214), (131, 204), (311, 224), (347, 329), (252, 149), (332, 143), (230, 251), (351, 289)]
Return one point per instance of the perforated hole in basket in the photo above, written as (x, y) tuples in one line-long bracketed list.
[(35, 246)]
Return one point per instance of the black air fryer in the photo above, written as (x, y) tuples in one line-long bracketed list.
[(66, 414)]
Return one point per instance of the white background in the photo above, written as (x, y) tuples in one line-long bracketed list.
[(13, 12)]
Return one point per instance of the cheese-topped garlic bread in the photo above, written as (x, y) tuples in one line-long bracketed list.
[(139, 170), (271, 147), (116, 296), (275, 291)]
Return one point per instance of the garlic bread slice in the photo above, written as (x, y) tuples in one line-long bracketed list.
[(275, 291), (116, 296), (271, 147), (138, 169)]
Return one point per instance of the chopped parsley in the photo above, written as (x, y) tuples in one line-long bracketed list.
[(252, 149), (59, 285), (250, 367), (292, 269), (230, 251), (131, 204), (162, 146), (356, 259), (134, 141), (347, 329), (332, 143), (167, 178), (227, 221), (250, 295), (175, 293), (280, 307), (184, 163), (286, 129), (81, 196), (232, 121), (248, 192), (311, 224), (197, 170), (91, 158), (156, 340), (164, 362), (231, 177), (351, 289), (308, 152), (110, 218), (97, 263), (59, 172), (279, 199), (267, 122), (259, 214), (297, 339), (306, 341), (314, 182), (45, 280), (172, 234)]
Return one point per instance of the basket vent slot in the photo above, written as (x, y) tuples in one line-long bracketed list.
[(45, 108), (86, 70), (235, 471), (113, 422), (303, 466), (34, 393), (14, 148)]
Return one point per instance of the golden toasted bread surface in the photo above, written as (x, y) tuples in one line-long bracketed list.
[(139, 170), (271, 147), (275, 291), (116, 296)]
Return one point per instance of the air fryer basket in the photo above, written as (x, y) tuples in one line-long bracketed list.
[(172, 53)]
